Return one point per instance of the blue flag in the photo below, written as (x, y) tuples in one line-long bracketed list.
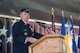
[(63, 29), (74, 48), (79, 36)]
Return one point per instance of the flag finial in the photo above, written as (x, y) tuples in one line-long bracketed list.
[(52, 11), (79, 17), (71, 16), (62, 13)]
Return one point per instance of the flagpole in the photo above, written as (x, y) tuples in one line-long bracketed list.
[(53, 26)]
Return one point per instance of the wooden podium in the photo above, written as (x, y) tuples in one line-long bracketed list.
[(51, 43)]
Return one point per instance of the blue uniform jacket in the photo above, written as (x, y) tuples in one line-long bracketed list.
[(20, 31)]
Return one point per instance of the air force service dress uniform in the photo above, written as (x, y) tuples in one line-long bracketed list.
[(20, 32)]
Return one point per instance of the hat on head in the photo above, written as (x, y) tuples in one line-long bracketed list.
[(27, 10)]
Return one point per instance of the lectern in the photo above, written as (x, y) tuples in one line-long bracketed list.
[(51, 43)]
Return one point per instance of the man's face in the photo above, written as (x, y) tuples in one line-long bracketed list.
[(25, 16)]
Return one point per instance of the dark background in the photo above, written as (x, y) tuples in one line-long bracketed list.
[(41, 9)]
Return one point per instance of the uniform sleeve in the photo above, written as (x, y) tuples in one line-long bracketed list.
[(37, 35), (17, 37)]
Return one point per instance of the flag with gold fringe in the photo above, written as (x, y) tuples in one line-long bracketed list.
[(68, 40)]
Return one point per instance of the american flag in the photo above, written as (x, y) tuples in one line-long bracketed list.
[(6, 44)]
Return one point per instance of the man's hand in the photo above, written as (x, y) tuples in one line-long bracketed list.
[(30, 39)]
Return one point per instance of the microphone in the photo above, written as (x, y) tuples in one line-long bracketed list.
[(43, 25)]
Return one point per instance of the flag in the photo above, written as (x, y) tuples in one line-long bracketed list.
[(53, 26), (67, 37), (63, 29), (3, 36), (74, 48), (6, 35), (9, 35), (68, 40), (79, 37)]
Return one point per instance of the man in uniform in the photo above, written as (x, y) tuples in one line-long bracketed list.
[(22, 33)]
